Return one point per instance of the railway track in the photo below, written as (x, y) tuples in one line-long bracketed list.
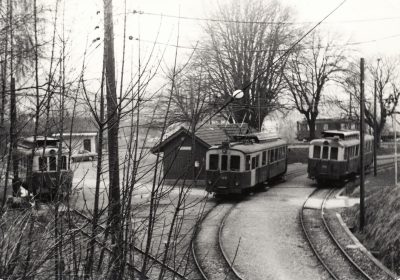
[(156, 265), (337, 260), (207, 246), (207, 249)]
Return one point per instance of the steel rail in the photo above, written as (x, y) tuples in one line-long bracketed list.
[(196, 261), (219, 241), (224, 254), (308, 238), (334, 239)]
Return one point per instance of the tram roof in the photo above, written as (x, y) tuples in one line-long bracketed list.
[(29, 142), (342, 134), (340, 142), (249, 148)]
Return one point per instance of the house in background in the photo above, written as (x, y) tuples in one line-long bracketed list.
[(184, 154), (303, 132), (83, 135)]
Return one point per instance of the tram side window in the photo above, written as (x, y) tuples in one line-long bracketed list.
[(334, 153), (53, 163), (43, 163), (346, 152), (253, 162), (269, 156), (247, 162), (214, 162), (235, 163), (357, 148), (257, 160), (264, 158), (317, 152), (325, 152)]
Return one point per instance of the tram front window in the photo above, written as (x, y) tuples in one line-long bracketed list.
[(224, 162), (334, 153), (53, 163), (325, 152), (317, 152), (214, 162)]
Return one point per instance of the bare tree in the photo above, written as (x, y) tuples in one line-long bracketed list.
[(385, 73), (309, 69), (241, 51)]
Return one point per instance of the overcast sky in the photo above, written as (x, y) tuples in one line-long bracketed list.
[(371, 26)]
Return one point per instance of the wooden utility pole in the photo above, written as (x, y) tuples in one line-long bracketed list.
[(395, 148), (375, 127), (113, 128), (362, 195)]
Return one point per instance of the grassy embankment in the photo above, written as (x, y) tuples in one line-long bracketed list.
[(381, 234)]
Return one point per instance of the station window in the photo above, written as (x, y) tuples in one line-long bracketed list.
[(247, 162), (317, 152), (264, 158), (235, 163), (334, 153), (224, 162), (214, 162)]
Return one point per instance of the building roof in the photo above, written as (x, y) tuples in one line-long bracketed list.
[(67, 134), (208, 135), (329, 120)]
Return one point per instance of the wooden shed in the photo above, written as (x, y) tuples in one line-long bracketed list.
[(183, 155)]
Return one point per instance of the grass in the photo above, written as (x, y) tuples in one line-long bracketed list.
[(381, 233)]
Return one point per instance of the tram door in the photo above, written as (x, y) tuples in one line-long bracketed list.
[(254, 165)]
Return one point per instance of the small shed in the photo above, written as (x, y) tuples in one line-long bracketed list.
[(184, 153)]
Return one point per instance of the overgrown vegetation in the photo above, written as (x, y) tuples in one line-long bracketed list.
[(382, 219)]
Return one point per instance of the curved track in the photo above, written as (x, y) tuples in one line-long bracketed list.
[(207, 250), (324, 244)]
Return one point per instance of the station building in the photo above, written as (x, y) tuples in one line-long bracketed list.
[(183, 153)]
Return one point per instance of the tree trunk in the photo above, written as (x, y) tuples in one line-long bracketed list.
[(311, 126)]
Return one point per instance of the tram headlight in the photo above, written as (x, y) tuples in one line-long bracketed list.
[(209, 182), (236, 184)]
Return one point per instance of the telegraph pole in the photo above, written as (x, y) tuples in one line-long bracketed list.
[(362, 195), (375, 134), (395, 148)]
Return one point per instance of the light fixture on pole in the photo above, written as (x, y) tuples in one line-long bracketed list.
[(395, 148), (238, 94)]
